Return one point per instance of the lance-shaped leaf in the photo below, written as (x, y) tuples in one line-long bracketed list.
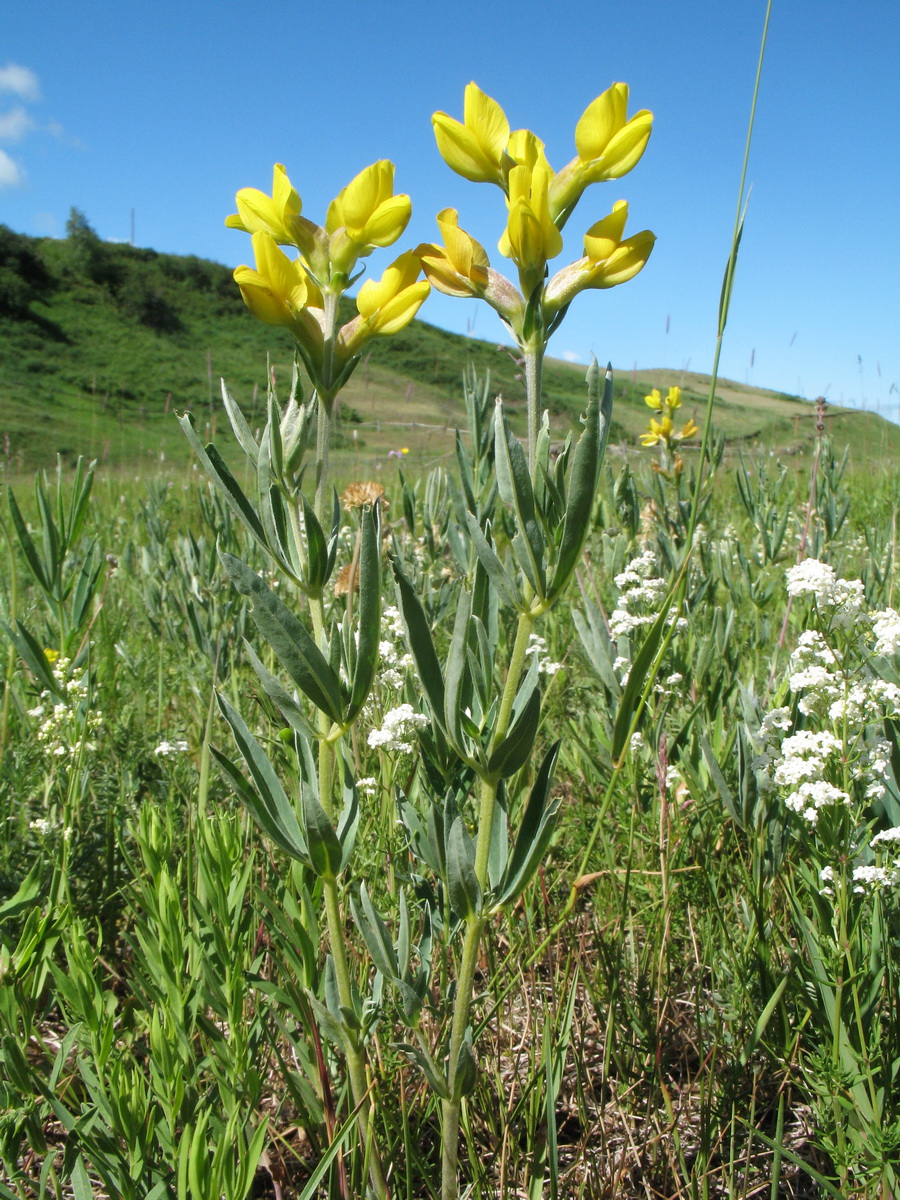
[(515, 749), (288, 706), (348, 821), (33, 656), (426, 1065), (239, 426), (498, 855), (457, 658), (535, 831), (487, 556), (324, 844), (584, 477), (375, 934), (464, 1080), (462, 883), (218, 471), (420, 643), (268, 804), (25, 541), (369, 610), (517, 493), (293, 646), (642, 664), (319, 563)]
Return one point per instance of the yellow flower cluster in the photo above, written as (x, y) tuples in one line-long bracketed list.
[(539, 202), (301, 293), (663, 431)]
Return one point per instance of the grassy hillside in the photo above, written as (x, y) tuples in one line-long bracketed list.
[(101, 343)]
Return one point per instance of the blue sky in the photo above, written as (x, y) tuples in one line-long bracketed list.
[(169, 108)]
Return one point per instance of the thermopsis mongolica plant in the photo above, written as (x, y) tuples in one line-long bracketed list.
[(477, 814)]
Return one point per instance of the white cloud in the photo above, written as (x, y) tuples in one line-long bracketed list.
[(11, 174), (20, 81), (15, 124), (571, 356)]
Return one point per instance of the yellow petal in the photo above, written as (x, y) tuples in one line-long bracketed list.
[(673, 399), (604, 237), (359, 199), (260, 299), (376, 293), (602, 118), (388, 221), (487, 121), (398, 312), (654, 400)]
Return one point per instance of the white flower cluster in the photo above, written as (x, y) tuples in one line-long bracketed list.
[(639, 589), (841, 599), (367, 786), (886, 625), (538, 646), (397, 728), (395, 661), (865, 879), (167, 749), (63, 723)]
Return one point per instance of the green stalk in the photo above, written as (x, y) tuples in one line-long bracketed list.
[(476, 924)]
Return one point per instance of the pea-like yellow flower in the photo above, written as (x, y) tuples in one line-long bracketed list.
[(670, 404), (279, 292), (608, 145), (366, 214), (277, 215), (658, 431), (531, 238), (386, 305), (608, 260), (458, 268), (474, 148)]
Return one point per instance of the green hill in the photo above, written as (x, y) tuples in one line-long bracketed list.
[(100, 344)]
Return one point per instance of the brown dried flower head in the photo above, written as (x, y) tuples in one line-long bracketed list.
[(357, 495)]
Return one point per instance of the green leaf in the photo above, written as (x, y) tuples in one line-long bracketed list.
[(514, 750), (319, 567), (375, 934), (269, 804), (28, 547), (640, 668), (369, 610), (288, 706), (535, 831), (462, 883), (493, 566), (293, 646), (455, 699), (426, 1065), (463, 1081), (239, 426), (420, 643), (34, 658), (516, 492), (218, 471), (324, 845), (584, 477)]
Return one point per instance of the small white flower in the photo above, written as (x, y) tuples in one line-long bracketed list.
[(164, 749)]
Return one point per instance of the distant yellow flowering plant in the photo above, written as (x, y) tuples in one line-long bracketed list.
[(663, 433)]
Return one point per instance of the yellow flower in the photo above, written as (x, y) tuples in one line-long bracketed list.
[(608, 146), (658, 431), (366, 214), (688, 430), (654, 400), (51, 655), (608, 260), (386, 305), (276, 215), (671, 402), (459, 267), (474, 149), (279, 292), (530, 238)]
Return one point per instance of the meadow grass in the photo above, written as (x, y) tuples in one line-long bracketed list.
[(160, 956)]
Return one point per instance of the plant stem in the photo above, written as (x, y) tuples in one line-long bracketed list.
[(476, 923), (534, 367)]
